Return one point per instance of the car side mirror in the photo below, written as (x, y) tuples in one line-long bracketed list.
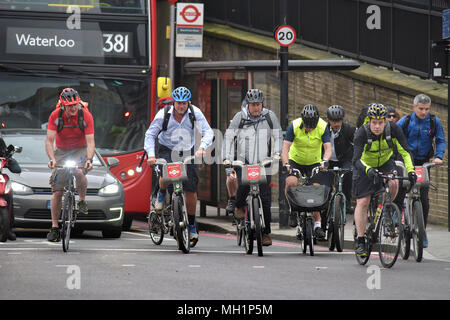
[(18, 149), (112, 162)]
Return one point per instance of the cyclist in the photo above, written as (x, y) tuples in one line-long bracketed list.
[(171, 136), (341, 138), (71, 126), (374, 146), (302, 150), (14, 167), (420, 129), (254, 134)]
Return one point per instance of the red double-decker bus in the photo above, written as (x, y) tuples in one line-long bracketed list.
[(106, 50)]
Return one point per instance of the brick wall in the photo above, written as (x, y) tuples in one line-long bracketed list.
[(327, 88)]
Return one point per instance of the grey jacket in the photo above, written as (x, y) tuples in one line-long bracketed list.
[(254, 139)]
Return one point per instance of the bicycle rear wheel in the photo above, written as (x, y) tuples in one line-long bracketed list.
[(417, 229), (181, 224), (156, 227), (338, 232), (389, 235), (67, 206), (258, 230), (4, 224)]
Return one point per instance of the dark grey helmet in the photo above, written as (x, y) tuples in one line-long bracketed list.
[(335, 113), (310, 116), (254, 95)]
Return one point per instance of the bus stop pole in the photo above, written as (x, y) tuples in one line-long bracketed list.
[(284, 98), (172, 42)]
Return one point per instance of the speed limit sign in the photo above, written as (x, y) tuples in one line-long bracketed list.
[(285, 35)]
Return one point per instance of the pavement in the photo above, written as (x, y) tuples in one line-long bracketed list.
[(218, 221)]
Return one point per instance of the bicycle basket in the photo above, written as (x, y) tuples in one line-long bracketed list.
[(173, 172), (309, 198), (423, 179), (253, 174)]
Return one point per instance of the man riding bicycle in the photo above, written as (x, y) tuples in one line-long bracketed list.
[(71, 126), (302, 150), (254, 135), (341, 139), (172, 136), (374, 146)]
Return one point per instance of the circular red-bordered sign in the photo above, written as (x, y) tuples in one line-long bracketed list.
[(285, 35), (190, 13)]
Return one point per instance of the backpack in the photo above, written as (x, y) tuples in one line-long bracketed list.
[(432, 131), (167, 116), (241, 125), (387, 133), (81, 122)]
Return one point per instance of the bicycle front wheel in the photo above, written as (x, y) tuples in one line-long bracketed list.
[(258, 230), (405, 244), (338, 232), (389, 235), (156, 227), (417, 230), (181, 224), (67, 206)]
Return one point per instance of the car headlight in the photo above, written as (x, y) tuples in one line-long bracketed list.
[(109, 190), (19, 188)]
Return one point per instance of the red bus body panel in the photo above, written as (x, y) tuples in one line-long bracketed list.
[(137, 187)]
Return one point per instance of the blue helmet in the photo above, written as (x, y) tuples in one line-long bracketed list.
[(181, 94)]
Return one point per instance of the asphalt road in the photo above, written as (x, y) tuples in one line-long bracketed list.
[(132, 267)]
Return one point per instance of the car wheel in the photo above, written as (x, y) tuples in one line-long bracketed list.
[(112, 233)]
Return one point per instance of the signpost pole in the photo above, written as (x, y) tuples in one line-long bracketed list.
[(172, 41), (284, 99)]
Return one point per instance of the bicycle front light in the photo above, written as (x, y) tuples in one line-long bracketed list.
[(109, 190)]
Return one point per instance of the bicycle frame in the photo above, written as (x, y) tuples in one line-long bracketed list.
[(338, 189)]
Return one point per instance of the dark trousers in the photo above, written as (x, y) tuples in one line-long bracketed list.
[(264, 193)]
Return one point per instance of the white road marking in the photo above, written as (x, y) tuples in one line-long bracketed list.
[(128, 265), (194, 266), (258, 267)]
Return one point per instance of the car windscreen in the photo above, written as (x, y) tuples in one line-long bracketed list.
[(33, 149)]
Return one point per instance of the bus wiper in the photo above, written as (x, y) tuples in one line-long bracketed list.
[(17, 69), (63, 68)]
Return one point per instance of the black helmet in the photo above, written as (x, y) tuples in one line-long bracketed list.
[(254, 95), (376, 111), (335, 113), (310, 116)]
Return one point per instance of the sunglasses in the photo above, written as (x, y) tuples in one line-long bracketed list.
[(390, 116)]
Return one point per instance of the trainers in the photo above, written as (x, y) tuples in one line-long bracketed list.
[(193, 235), (82, 207), (159, 203), (239, 213), (266, 240), (361, 250), (231, 205), (319, 233), (54, 235)]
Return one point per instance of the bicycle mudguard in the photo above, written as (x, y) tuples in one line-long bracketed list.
[(309, 198)]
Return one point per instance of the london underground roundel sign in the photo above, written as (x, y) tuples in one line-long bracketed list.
[(285, 35)]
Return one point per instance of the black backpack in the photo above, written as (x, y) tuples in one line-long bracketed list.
[(81, 122), (167, 116), (432, 125)]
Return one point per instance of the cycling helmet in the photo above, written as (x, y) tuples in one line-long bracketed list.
[(376, 111), (254, 95), (335, 113), (69, 96), (181, 94), (310, 116)]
